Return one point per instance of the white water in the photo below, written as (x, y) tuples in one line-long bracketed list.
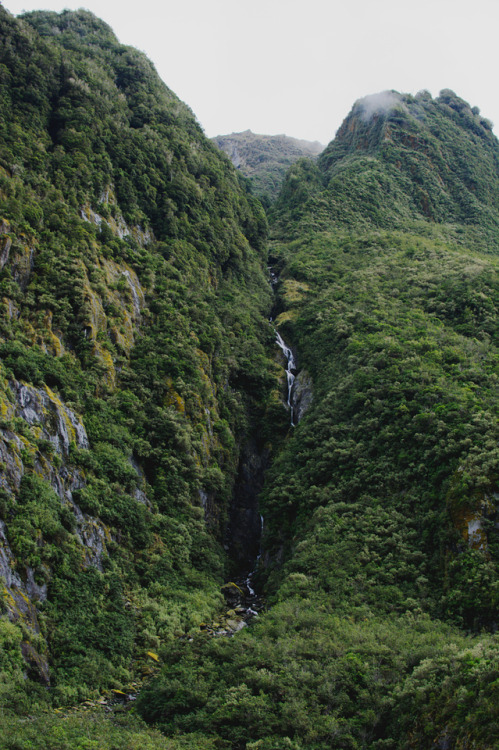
[(291, 365), (250, 576)]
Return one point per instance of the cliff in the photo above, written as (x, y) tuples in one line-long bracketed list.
[(133, 290)]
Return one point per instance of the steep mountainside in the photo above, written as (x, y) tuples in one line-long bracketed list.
[(264, 159), (133, 329), (141, 400), (381, 540), (401, 160)]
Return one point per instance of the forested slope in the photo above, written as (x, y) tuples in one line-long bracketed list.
[(381, 523), (133, 329), (138, 378)]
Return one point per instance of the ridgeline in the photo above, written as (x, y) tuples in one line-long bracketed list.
[(265, 159), (144, 425)]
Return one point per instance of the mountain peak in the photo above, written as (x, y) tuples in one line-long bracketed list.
[(438, 153), (264, 159), (81, 22), (377, 104)]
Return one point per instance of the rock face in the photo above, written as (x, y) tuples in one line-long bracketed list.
[(40, 406), (245, 524), (302, 394), (36, 434)]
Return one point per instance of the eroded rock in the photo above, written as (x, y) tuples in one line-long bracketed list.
[(302, 394)]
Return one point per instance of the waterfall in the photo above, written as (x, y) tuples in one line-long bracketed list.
[(291, 365), (250, 576)]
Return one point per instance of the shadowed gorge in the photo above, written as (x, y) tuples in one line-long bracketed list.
[(149, 418)]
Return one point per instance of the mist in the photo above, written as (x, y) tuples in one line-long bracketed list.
[(380, 103)]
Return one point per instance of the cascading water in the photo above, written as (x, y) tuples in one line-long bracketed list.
[(250, 576), (253, 602), (291, 365), (245, 528), (241, 597)]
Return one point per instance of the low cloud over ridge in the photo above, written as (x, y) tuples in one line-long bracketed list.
[(378, 103)]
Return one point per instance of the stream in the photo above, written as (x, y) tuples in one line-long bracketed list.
[(290, 368), (243, 602), (245, 528)]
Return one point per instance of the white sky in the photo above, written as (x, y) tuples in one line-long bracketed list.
[(297, 66)]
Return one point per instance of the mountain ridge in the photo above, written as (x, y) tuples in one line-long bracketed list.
[(142, 396), (264, 159), (380, 509)]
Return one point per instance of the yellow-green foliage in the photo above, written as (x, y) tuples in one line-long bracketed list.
[(12, 666), (172, 398), (143, 313), (286, 317), (294, 291)]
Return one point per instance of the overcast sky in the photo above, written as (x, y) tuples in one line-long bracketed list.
[(296, 67)]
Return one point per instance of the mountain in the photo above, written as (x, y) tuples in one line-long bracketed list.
[(134, 365), (380, 547), (265, 159), (397, 159), (144, 424)]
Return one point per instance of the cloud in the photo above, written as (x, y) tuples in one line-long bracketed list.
[(377, 103)]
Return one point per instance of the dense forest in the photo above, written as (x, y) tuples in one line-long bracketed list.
[(134, 349), (144, 425)]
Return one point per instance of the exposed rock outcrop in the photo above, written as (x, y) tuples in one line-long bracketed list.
[(302, 394), (30, 416), (245, 525)]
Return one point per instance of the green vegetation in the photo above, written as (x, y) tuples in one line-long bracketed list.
[(137, 368), (133, 312), (381, 543), (91, 730), (308, 678), (265, 159)]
